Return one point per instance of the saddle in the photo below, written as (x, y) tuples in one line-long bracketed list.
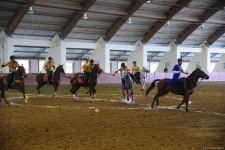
[(83, 79), (45, 77)]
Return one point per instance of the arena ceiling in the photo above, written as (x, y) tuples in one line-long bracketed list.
[(187, 22)]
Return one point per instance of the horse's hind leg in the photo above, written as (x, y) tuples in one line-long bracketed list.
[(74, 90), (155, 98), (161, 94)]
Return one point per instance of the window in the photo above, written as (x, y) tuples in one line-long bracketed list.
[(185, 66), (212, 66), (69, 67), (153, 66), (41, 66), (24, 63)]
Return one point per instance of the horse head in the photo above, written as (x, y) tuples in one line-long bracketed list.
[(21, 71), (200, 74), (96, 69), (59, 70)]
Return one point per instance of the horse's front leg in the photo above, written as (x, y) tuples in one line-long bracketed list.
[(21, 88), (187, 102), (3, 96), (56, 86), (40, 85), (182, 102)]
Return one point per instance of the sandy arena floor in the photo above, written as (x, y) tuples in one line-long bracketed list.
[(62, 123)]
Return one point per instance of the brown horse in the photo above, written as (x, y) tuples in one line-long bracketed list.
[(164, 88), (77, 81), (18, 84), (55, 82)]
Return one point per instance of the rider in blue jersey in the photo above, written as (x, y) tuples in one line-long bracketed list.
[(177, 70)]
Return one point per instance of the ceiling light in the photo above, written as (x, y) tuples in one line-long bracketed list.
[(129, 20), (148, 1), (168, 23), (30, 10), (202, 26), (85, 16)]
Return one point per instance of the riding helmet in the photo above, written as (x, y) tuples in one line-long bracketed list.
[(91, 61), (50, 58), (12, 57), (180, 60), (122, 64)]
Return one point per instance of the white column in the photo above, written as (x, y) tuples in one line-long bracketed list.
[(77, 66), (139, 55), (34, 67), (201, 59), (6, 48), (57, 51), (220, 65), (102, 55), (169, 59)]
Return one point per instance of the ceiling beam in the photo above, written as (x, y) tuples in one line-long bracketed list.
[(18, 16), (159, 24), (216, 35), (76, 17), (209, 12), (134, 6), (86, 52)]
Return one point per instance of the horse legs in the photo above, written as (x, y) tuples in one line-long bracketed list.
[(155, 98), (55, 85), (40, 85), (74, 90), (3, 96), (185, 100), (22, 89)]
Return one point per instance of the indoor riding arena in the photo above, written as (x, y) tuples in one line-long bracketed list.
[(112, 74)]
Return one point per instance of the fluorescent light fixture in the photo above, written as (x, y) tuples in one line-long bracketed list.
[(30, 10), (129, 20), (85, 16)]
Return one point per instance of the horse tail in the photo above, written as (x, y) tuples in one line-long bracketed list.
[(151, 86)]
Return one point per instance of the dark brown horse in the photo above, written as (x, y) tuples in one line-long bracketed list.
[(55, 82), (77, 81), (164, 88), (18, 84)]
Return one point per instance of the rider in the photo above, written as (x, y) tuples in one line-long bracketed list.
[(121, 69), (12, 64), (177, 70), (87, 67), (49, 67), (136, 71)]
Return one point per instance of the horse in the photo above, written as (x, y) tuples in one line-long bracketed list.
[(141, 79), (18, 84), (164, 87), (56, 79), (77, 81), (127, 86)]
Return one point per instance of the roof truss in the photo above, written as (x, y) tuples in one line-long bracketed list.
[(206, 15), (159, 24), (76, 17), (121, 20), (216, 35), (18, 17)]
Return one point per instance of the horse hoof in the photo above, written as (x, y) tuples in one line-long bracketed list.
[(187, 110)]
